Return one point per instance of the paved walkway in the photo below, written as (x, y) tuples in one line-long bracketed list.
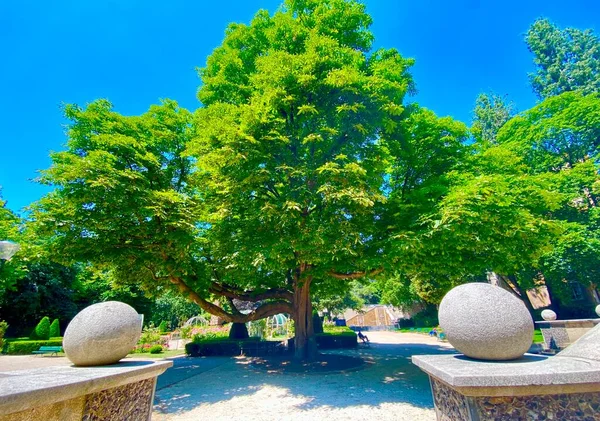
[(389, 388), (26, 362)]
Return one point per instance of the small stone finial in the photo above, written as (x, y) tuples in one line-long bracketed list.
[(598, 310), (102, 334), (548, 315), (486, 322)]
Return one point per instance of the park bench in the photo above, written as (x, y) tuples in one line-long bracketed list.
[(48, 350)]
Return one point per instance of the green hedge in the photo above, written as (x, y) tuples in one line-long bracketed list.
[(344, 339), (27, 347), (220, 347)]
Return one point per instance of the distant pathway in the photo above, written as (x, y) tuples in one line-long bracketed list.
[(389, 388)]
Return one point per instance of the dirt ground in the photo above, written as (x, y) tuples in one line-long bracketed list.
[(389, 387)]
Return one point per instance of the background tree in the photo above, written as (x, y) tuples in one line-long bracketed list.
[(60, 292), (346, 295), (490, 113), (173, 309), (425, 149), (559, 138), (9, 231), (566, 60)]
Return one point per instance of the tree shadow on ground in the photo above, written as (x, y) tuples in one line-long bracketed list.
[(388, 377)]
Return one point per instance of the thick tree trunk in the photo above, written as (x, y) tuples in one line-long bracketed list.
[(304, 341), (593, 289), (512, 282)]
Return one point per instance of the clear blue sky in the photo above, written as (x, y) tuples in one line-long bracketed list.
[(134, 52)]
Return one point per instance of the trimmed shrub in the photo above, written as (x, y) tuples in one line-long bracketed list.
[(27, 347), (162, 327), (55, 329), (42, 330), (238, 331), (250, 347), (211, 336), (317, 323), (156, 349), (345, 339), (213, 348), (3, 327), (337, 329)]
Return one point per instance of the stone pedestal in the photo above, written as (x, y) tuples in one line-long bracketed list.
[(558, 334), (122, 391), (531, 388)]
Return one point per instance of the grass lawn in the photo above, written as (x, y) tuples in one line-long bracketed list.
[(537, 334), (164, 354), (537, 337)]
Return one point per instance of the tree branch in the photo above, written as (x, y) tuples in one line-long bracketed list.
[(269, 309), (265, 310), (270, 294), (204, 304), (355, 275)]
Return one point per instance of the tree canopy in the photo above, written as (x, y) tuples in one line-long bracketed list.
[(306, 171), (566, 60), (268, 187)]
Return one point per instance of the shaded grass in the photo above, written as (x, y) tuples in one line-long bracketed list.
[(537, 334), (164, 354)]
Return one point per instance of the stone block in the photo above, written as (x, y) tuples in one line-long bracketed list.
[(120, 392)]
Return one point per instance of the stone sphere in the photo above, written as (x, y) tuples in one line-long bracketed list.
[(102, 334), (548, 315), (598, 310), (486, 322)]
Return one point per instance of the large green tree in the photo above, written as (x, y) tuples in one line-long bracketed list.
[(292, 152), (271, 188), (565, 60)]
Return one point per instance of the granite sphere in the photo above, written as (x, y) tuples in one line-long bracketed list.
[(102, 334), (486, 322), (549, 315)]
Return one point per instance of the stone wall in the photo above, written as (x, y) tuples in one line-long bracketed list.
[(132, 402), (122, 391), (451, 405), (558, 334)]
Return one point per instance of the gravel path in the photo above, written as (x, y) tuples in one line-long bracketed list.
[(389, 388)]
